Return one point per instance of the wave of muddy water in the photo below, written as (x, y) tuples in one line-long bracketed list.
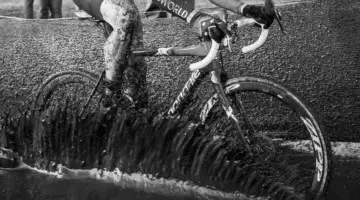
[(20, 181), (25, 182)]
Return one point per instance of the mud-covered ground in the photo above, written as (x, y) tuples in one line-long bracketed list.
[(30, 51)]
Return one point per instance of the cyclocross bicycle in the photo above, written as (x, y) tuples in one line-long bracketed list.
[(248, 108)]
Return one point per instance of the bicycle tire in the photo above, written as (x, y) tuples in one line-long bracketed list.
[(316, 138), (60, 80)]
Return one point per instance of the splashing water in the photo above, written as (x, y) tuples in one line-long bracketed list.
[(171, 157)]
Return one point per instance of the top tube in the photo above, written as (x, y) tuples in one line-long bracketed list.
[(201, 49), (145, 53)]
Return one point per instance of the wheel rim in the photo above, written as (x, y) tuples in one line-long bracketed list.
[(70, 92), (312, 177)]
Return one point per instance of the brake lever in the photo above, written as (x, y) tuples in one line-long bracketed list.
[(228, 42), (232, 37)]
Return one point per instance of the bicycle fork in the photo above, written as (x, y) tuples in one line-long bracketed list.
[(224, 100)]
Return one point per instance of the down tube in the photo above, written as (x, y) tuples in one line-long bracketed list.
[(189, 88)]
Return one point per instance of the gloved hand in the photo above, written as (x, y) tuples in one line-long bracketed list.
[(260, 14)]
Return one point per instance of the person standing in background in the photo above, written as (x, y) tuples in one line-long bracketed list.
[(53, 6), (29, 9)]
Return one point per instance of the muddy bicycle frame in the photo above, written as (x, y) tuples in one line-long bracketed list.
[(217, 75), (211, 64), (208, 49), (196, 77)]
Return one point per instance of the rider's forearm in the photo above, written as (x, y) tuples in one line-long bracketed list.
[(235, 6)]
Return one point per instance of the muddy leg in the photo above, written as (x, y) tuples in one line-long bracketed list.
[(135, 74), (122, 15)]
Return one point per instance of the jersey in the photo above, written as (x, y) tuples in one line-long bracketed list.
[(180, 8)]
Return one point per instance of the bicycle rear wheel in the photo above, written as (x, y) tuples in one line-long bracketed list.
[(289, 145), (68, 90)]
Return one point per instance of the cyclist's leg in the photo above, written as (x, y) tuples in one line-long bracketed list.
[(107, 28), (135, 74), (122, 15)]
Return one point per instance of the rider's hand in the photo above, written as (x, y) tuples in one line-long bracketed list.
[(208, 26), (259, 14)]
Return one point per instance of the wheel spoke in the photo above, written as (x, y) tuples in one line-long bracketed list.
[(282, 146)]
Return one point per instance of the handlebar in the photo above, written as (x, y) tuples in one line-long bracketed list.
[(208, 59), (260, 41), (215, 46)]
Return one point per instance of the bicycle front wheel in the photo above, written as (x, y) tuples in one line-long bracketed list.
[(288, 143), (70, 90)]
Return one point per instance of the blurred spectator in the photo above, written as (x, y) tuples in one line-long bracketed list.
[(29, 9), (53, 6), (152, 11)]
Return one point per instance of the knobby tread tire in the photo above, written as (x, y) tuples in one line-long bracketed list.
[(57, 79), (243, 84)]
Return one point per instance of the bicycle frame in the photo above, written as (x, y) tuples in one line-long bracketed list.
[(196, 78)]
